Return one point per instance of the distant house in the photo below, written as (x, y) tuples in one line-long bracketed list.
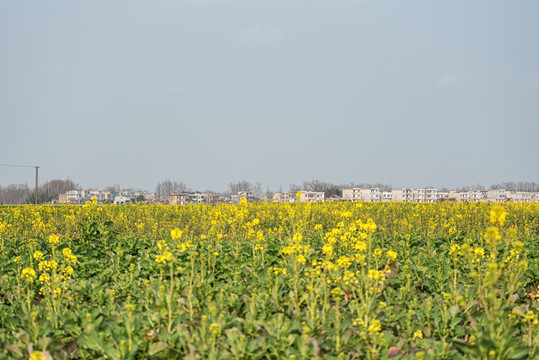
[(178, 199), (284, 196), (311, 196), (235, 198), (120, 200)]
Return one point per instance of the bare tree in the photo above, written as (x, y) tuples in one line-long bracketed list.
[(242, 185), (52, 189), (293, 188), (14, 193), (257, 189), (165, 188), (113, 188)]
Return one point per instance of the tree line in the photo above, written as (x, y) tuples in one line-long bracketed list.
[(50, 191)]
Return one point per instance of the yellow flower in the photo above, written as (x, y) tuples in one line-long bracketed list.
[(344, 262), (68, 270), (297, 238), (360, 246), (298, 195), (54, 239), (162, 244), (480, 252), (176, 234), (37, 355), (418, 334), (497, 215), (38, 255), (392, 254), (44, 278), (28, 274), (66, 252), (300, 259), (162, 259), (375, 327), (492, 234), (377, 252), (215, 329), (327, 249)]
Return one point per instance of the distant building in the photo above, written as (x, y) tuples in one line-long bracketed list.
[(178, 199), (311, 196), (235, 198), (362, 194), (121, 200), (284, 196), (403, 194)]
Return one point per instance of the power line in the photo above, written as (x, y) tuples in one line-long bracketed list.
[(26, 166), (17, 165)]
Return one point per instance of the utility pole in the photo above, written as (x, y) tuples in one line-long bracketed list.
[(37, 167)]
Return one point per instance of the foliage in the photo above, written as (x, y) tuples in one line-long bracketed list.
[(269, 281)]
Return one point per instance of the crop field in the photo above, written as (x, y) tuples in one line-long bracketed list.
[(270, 281)]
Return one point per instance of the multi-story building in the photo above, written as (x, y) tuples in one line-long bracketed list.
[(311, 196), (235, 198), (478, 195), (442, 196), (496, 195), (425, 195), (362, 194), (284, 196), (178, 199), (403, 194), (387, 196)]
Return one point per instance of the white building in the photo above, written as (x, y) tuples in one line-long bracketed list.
[(361, 194), (311, 196)]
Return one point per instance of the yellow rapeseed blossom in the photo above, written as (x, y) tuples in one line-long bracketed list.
[(498, 215), (37, 355), (28, 274), (392, 254), (492, 234), (176, 234), (68, 270), (44, 278), (327, 249), (418, 334), (162, 259), (375, 327), (215, 329), (38, 255), (54, 239)]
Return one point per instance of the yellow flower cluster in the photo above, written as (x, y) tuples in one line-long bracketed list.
[(163, 258), (28, 274)]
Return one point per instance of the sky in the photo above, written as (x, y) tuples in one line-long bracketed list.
[(208, 92)]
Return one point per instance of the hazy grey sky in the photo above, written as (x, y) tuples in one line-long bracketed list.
[(207, 92)]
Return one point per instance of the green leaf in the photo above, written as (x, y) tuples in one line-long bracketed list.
[(14, 349), (157, 347), (521, 353)]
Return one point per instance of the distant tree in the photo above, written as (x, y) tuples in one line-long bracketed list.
[(113, 188), (242, 185), (52, 189), (14, 193), (293, 188), (165, 188), (269, 193), (257, 189)]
